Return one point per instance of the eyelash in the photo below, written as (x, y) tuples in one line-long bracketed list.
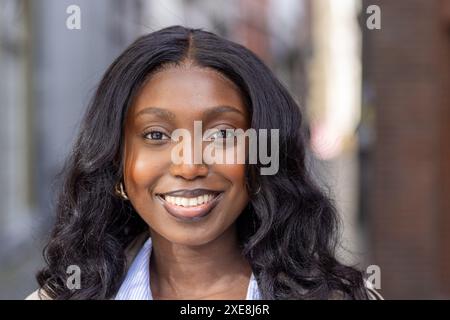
[(161, 140), (225, 132), (156, 141)]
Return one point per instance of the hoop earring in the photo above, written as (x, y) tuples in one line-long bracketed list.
[(119, 190)]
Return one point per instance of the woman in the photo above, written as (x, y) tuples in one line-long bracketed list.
[(128, 212)]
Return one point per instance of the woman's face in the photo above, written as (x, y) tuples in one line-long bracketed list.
[(186, 203)]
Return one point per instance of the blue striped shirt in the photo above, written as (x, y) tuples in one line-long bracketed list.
[(136, 285)]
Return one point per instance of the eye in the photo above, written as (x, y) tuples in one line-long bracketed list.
[(156, 135), (222, 134), (222, 138)]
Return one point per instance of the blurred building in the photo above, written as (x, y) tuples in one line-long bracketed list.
[(334, 109), (406, 150), (48, 75)]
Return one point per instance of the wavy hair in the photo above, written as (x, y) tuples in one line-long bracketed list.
[(289, 229)]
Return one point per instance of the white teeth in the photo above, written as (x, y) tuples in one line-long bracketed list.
[(189, 202)]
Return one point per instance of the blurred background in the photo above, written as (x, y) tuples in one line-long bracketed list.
[(377, 103)]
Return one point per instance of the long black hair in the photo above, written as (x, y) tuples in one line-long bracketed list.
[(288, 231)]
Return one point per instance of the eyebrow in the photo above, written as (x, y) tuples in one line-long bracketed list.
[(215, 111), (210, 113), (162, 113)]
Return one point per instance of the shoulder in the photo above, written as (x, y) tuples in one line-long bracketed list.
[(372, 294), (130, 253), (39, 294)]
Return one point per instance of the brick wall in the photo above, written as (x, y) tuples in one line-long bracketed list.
[(406, 64)]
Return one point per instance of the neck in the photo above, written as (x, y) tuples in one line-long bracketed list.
[(180, 271)]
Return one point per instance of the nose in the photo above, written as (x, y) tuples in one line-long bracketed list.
[(189, 171), (188, 168)]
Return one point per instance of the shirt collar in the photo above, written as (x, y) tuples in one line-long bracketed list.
[(136, 285)]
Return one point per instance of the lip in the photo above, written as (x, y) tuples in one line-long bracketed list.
[(190, 214), (190, 193)]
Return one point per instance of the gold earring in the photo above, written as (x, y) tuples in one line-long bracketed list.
[(119, 190)]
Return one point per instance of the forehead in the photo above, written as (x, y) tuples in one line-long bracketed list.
[(188, 89)]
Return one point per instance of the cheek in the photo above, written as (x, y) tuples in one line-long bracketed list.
[(142, 169), (235, 174)]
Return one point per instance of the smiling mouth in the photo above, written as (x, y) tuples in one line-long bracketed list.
[(190, 205)]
